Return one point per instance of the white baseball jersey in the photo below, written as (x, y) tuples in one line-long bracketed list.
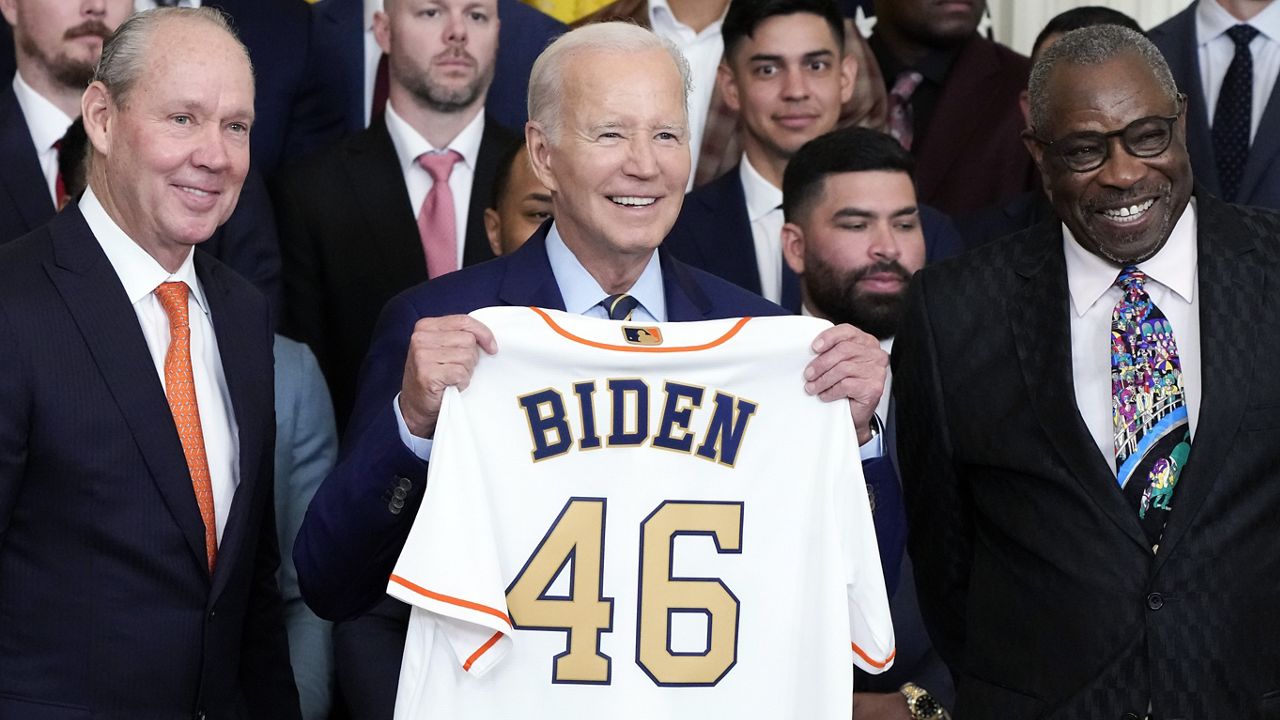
[(641, 521)]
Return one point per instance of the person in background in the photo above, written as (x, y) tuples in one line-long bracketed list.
[(520, 203)]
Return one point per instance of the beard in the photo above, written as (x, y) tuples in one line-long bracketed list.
[(67, 71), (834, 294), (439, 98)]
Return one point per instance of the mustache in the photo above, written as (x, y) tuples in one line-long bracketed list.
[(1128, 196), (883, 266), (88, 28)]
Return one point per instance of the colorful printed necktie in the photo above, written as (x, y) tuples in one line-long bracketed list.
[(180, 387), (1148, 412), (437, 225), (620, 306)]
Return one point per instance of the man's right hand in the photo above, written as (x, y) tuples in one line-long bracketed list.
[(442, 351)]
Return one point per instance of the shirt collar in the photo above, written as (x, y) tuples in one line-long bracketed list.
[(45, 121), (138, 272), (762, 197), (1174, 266), (410, 144), (581, 292), (370, 7), (1212, 20), (662, 18)]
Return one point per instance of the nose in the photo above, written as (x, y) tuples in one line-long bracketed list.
[(212, 151), (642, 161), (884, 242), (93, 8), (1121, 170), (455, 28), (795, 86)]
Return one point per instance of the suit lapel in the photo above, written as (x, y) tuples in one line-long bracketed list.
[(96, 299), (528, 280), (494, 144), (20, 172), (1232, 283), (1040, 314), (1266, 143), (686, 300), (729, 244), (1184, 63), (374, 175)]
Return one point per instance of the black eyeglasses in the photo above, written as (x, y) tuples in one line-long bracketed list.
[(1145, 137)]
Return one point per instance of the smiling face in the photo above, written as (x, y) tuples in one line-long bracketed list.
[(618, 162), (170, 159), (787, 81), (63, 38), (1125, 209), (442, 52)]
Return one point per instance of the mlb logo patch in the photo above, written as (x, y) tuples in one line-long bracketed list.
[(642, 335)]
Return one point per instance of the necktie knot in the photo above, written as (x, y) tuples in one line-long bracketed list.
[(173, 298), (620, 306), (904, 86), (439, 165), (1131, 280), (1242, 35)]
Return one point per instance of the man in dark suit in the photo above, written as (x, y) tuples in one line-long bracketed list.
[(1087, 431), (58, 47), (344, 32), (1227, 102), (786, 75), (607, 137), (957, 102), (137, 538), (352, 220)]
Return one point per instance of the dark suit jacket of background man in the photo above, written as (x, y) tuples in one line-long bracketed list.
[(1260, 183), (713, 233), (522, 36), (356, 525), (1037, 582), (108, 606), (247, 242), (350, 242), (971, 154)]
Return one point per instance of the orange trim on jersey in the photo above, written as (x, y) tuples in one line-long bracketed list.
[(452, 600), (642, 349), (873, 663), (466, 666)]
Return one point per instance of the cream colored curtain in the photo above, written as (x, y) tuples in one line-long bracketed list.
[(1017, 22)]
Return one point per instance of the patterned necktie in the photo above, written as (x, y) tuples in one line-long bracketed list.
[(1148, 413), (1233, 115), (901, 118), (180, 387), (620, 306), (437, 225)]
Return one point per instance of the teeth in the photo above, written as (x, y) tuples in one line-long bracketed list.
[(1129, 214), (633, 201), (195, 191)]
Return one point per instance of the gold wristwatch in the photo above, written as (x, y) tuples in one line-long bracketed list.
[(921, 704)]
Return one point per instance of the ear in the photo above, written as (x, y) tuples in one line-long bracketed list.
[(793, 247), (728, 88), (848, 75), (1024, 102), (540, 154), (9, 9), (97, 108), (493, 228), (382, 30)]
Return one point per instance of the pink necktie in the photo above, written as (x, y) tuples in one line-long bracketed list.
[(900, 116), (436, 223)]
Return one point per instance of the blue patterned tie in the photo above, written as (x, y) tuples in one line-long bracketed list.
[(620, 306), (1148, 413), (1233, 115)]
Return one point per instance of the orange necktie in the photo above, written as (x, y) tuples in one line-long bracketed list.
[(180, 387)]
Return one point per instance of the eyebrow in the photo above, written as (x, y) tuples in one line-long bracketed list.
[(543, 197), (811, 55), (855, 212)]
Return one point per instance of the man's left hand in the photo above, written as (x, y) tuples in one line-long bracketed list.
[(850, 365)]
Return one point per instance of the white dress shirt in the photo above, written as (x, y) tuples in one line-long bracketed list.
[(764, 209), (372, 54), (409, 145), (582, 295), (47, 125), (1216, 50), (141, 5), (703, 51), (140, 275), (1171, 283)]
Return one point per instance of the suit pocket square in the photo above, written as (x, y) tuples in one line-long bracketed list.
[(1261, 418)]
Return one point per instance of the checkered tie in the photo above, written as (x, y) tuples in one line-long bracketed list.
[(1148, 413), (180, 387), (620, 306), (1233, 115)]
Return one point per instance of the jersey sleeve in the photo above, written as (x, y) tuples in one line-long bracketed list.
[(450, 565), (870, 624)]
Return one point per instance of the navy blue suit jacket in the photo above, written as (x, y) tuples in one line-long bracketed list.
[(1260, 184), (108, 605), (523, 34), (713, 233)]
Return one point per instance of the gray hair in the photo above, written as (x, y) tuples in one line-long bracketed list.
[(1093, 46), (546, 80), (124, 56)]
